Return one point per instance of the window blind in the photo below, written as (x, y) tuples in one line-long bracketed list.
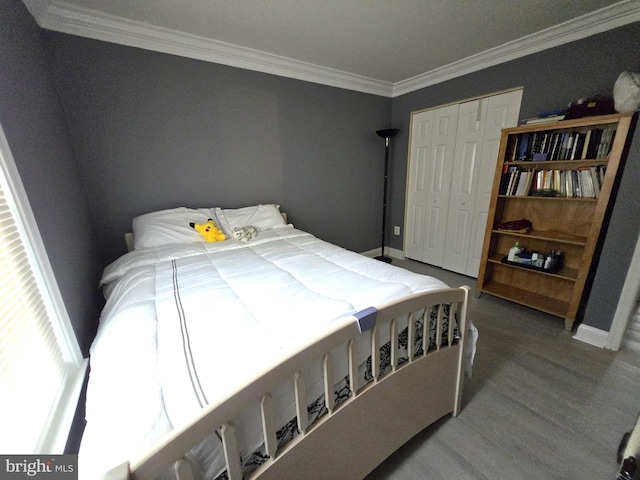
[(31, 362), (41, 368)]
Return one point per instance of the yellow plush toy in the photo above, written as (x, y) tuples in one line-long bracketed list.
[(209, 231)]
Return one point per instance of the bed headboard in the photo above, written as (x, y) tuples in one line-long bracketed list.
[(128, 238)]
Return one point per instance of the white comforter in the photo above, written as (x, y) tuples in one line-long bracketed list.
[(238, 303)]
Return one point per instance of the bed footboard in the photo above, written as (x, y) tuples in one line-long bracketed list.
[(629, 453), (357, 434)]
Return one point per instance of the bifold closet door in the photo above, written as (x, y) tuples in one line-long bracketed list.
[(478, 136), (452, 156), (466, 161), (432, 142), (503, 111)]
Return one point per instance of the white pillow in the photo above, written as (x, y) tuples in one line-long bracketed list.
[(263, 217), (167, 227)]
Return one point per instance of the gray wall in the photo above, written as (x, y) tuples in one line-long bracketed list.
[(32, 121), (153, 131), (551, 79), (618, 245), (109, 132)]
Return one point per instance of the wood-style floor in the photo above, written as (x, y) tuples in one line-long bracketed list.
[(540, 405)]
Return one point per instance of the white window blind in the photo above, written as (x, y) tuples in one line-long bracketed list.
[(41, 368)]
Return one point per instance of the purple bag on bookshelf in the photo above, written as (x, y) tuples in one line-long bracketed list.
[(591, 106)]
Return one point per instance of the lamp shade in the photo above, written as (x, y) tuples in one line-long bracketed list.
[(388, 133)]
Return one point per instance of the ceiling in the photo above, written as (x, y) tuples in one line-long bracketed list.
[(384, 47)]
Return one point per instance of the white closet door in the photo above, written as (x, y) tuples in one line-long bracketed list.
[(432, 143), (502, 112), (464, 184), (452, 156)]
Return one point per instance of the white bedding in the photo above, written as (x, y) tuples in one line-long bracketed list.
[(245, 304)]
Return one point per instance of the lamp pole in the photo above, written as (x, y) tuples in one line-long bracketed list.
[(387, 135)]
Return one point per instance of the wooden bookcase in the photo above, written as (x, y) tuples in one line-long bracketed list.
[(571, 224)]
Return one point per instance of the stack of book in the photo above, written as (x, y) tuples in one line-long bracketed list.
[(584, 182), (591, 143), (546, 117)]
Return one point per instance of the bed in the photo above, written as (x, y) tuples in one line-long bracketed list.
[(264, 357)]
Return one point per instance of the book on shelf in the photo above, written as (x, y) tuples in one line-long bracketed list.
[(591, 143), (522, 147), (524, 183), (584, 182), (606, 140), (513, 180), (538, 120), (546, 117), (594, 144)]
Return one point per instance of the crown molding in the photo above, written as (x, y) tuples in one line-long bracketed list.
[(66, 18), (599, 21)]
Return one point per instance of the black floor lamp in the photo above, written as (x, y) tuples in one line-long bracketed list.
[(386, 134)]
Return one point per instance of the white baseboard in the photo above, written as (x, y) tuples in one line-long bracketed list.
[(391, 252), (591, 335)]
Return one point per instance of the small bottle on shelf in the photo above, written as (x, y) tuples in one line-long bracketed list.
[(513, 251)]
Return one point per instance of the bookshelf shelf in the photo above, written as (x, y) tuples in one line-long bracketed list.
[(567, 205), (549, 235), (552, 199), (525, 297), (559, 163), (565, 273)]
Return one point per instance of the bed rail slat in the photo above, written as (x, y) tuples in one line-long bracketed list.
[(426, 320), (393, 344), (329, 395), (411, 334), (268, 425), (375, 354), (353, 368), (439, 326), (300, 392), (231, 453), (452, 314), (182, 470)]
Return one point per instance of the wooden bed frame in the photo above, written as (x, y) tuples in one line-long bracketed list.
[(358, 434)]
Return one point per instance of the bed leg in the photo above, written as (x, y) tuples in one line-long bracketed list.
[(121, 472), (182, 469)]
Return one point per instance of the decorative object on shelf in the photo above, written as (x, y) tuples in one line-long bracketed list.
[(513, 251), (551, 263), (545, 192), (387, 135), (515, 226), (626, 92)]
